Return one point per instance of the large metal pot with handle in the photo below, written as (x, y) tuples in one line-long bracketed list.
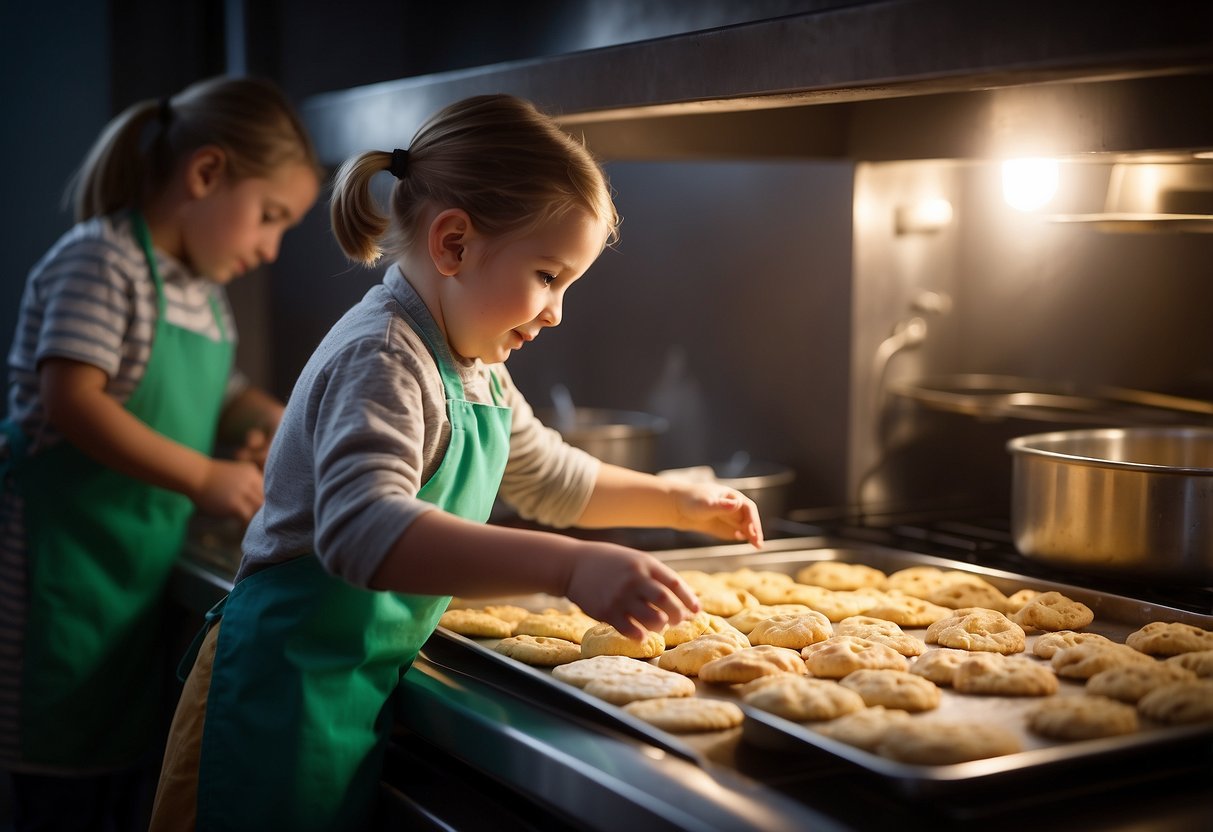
[(1126, 501)]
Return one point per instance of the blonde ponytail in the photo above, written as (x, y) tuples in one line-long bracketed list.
[(358, 222), (112, 175)]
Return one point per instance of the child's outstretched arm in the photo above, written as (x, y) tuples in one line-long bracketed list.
[(95, 422), (441, 554), (623, 497)]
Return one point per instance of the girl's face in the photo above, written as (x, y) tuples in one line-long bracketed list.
[(506, 292), (237, 226)]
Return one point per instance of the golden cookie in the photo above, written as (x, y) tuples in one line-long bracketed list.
[(801, 699), (792, 630), (1049, 643), (751, 579), (687, 658), (724, 600), (803, 594), (944, 743), (540, 651), (747, 619), (507, 612), (687, 715), (657, 684), (476, 623), (882, 632), (752, 662), (839, 604), (1082, 661), (939, 666), (838, 656), (993, 674), (862, 729), (699, 580), (978, 629), (605, 640), (1130, 682), (917, 581), (1199, 662), (833, 574), (1081, 718), (695, 626), (971, 591), (907, 610), (581, 672), (1016, 600), (1160, 638), (1053, 612), (894, 689), (570, 626), (1179, 703)]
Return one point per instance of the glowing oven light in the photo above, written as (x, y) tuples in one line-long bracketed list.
[(1028, 184)]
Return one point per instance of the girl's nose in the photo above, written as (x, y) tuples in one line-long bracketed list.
[(268, 250), (552, 313)]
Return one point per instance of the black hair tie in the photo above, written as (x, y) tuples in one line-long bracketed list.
[(399, 166), (164, 112)]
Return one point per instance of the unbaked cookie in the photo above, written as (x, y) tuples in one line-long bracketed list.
[(755, 579), (1053, 612), (915, 580), (581, 672), (693, 627), (801, 699), (1131, 682), (792, 630), (838, 656), (570, 626), (1179, 703), (1081, 718), (1049, 643), (1199, 662), (540, 651), (882, 632), (833, 574), (906, 610), (687, 715), (969, 591), (1082, 661), (724, 600), (752, 662), (978, 629), (1160, 638), (657, 684), (993, 674), (689, 657), (862, 729), (894, 689), (747, 619), (476, 623), (1016, 600), (936, 743), (507, 612), (605, 640), (939, 665)]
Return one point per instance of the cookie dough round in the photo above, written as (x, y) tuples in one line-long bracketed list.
[(696, 625), (841, 655), (802, 699), (475, 623), (1159, 638), (894, 689), (1081, 717), (1199, 662), (1082, 661), (1130, 682), (917, 581), (1048, 644), (748, 619), (993, 674), (570, 626), (687, 715), (907, 610), (724, 600), (1053, 612), (541, 651), (605, 640), (833, 574), (687, 658), (944, 743), (978, 629), (960, 593), (1179, 703), (793, 630), (657, 684), (882, 632), (939, 665), (581, 672), (862, 729), (752, 662)]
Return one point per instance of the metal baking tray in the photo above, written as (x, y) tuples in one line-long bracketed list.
[(1115, 617)]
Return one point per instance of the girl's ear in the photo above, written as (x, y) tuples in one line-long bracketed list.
[(205, 170), (448, 238)]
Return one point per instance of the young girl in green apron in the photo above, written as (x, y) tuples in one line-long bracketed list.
[(402, 429), (121, 375)]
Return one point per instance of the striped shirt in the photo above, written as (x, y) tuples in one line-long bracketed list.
[(92, 299)]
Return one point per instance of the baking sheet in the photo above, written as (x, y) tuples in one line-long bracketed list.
[(1115, 617)]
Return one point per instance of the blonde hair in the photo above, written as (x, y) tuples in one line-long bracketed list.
[(249, 118), (497, 157)]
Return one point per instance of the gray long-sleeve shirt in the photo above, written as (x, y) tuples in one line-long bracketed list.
[(366, 426)]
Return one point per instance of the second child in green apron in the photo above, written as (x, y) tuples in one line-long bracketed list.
[(400, 431)]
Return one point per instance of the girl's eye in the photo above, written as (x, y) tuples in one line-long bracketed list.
[(548, 279)]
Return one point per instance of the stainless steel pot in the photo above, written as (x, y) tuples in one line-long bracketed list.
[(620, 437), (1129, 501)]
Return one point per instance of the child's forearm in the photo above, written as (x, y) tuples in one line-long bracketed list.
[(623, 497)]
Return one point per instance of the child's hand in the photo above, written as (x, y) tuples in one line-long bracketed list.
[(719, 511), (255, 449), (231, 489), (630, 590)]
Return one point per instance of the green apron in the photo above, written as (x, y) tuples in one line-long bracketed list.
[(101, 546), (298, 711)]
